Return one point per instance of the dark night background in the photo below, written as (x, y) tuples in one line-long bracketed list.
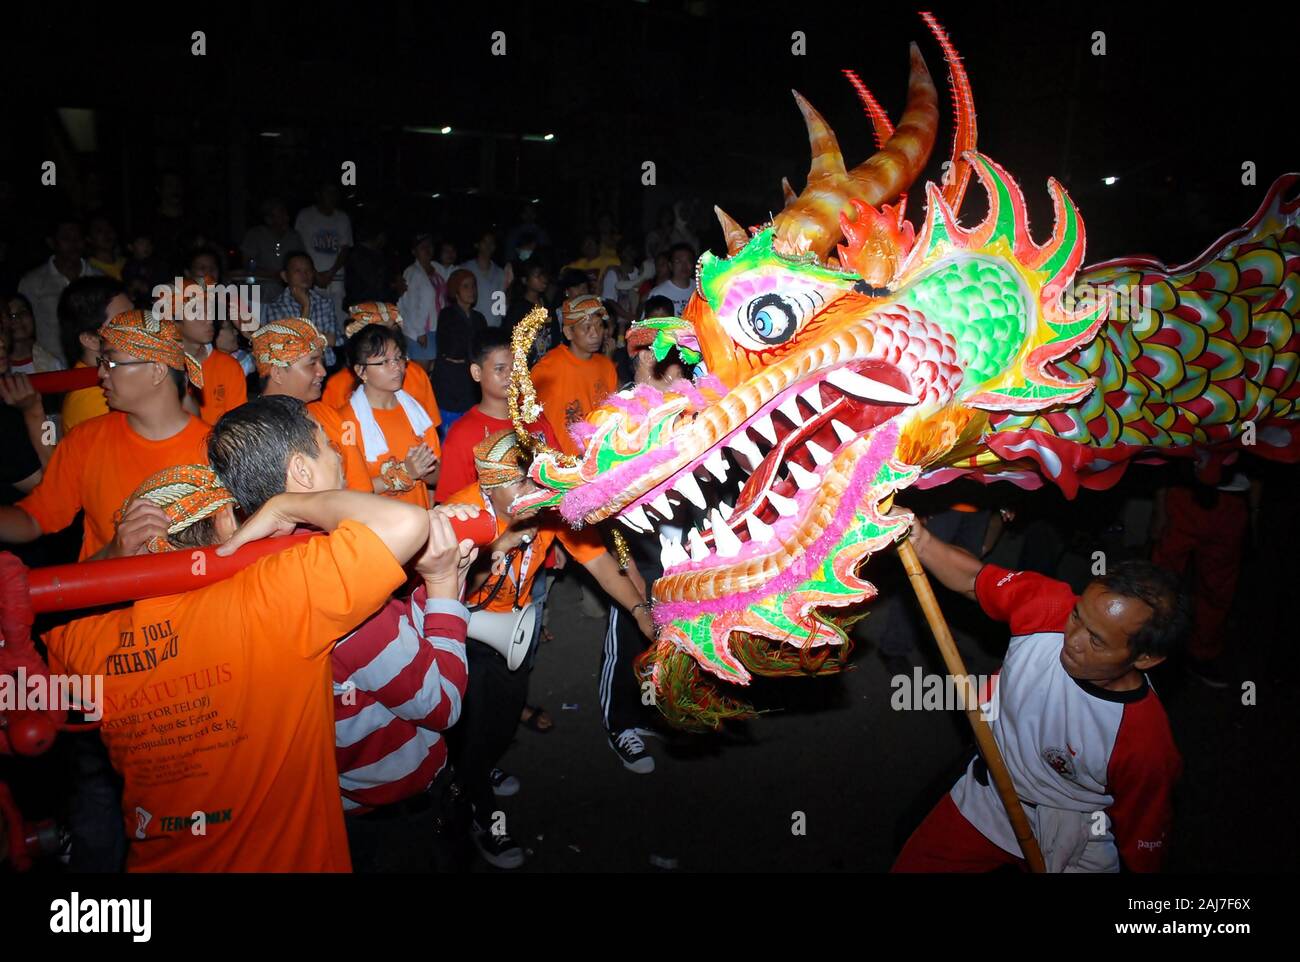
[(702, 88), (1173, 109)]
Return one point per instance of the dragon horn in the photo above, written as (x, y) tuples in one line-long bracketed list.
[(788, 192), (958, 175), (811, 222), (827, 161), (734, 233), (879, 119)]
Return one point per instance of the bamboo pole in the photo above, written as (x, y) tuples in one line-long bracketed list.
[(988, 745)]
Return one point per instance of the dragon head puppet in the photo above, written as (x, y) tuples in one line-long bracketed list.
[(842, 356)]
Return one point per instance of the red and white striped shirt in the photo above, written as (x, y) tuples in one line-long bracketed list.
[(395, 688)]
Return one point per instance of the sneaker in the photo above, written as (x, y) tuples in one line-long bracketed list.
[(1210, 673), (631, 751), (500, 851), (503, 784)]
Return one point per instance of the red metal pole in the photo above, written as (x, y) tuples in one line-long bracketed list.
[(93, 583), (60, 382)]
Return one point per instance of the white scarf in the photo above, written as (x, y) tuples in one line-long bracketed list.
[(373, 443)]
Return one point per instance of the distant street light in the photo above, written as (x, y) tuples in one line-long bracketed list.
[(1110, 181)]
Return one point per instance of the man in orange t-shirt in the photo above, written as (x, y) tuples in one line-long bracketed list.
[(143, 370), (341, 384), (224, 386), (218, 705), (573, 379)]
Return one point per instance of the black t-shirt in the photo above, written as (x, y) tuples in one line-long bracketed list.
[(458, 333), (19, 460)]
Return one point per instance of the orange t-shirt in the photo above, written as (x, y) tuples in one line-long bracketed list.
[(400, 438), (584, 545), (220, 701), (97, 466), (83, 404), (570, 389), (340, 385), (329, 419), (224, 386)]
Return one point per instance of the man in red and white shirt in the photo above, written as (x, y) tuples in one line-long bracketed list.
[(1083, 734), (398, 684)]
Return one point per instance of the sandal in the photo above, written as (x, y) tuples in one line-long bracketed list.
[(536, 718)]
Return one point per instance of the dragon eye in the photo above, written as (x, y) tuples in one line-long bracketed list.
[(771, 319)]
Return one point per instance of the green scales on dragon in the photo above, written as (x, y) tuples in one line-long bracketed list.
[(842, 355)]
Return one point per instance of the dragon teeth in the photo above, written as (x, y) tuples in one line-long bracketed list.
[(672, 553), (843, 431), (803, 477), (758, 530), (716, 464), (785, 507), (747, 449), (699, 550), (764, 427), (724, 538), (819, 453), (727, 509), (689, 488), (863, 387), (814, 397), (636, 519), (661, 505), (790, 408)]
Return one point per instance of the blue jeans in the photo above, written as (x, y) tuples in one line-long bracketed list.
[(417, 353), (448, 419)]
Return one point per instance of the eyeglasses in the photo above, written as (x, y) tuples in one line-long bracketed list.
[(105, 364), (394, 362)]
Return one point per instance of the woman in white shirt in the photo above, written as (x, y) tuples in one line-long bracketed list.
[(425, 297)]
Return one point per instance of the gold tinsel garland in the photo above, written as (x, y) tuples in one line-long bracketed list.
[(522, 396)]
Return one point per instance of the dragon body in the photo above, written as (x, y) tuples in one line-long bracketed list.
[(833, 374)]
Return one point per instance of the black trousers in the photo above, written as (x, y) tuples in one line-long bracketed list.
[(620, 692), (418, 834), (95, 820), (494, 700)]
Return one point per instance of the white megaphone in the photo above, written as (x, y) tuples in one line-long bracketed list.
[(510, 633)]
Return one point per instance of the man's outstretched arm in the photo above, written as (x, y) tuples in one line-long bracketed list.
[(956, 568), (401, 526)]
